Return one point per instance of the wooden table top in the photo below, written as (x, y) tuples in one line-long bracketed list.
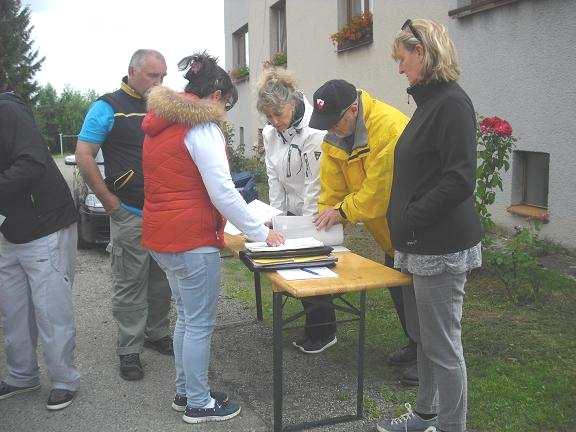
[(355, 273)]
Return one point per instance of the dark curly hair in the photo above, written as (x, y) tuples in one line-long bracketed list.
[(204, 77)]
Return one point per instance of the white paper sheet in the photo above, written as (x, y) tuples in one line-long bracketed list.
[(307, 273), (297, 243), (303, 226), (261, 211)]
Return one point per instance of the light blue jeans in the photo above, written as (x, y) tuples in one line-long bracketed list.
[(194, 278), (36, 301)]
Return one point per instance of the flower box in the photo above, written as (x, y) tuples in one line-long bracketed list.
[(356, 33)]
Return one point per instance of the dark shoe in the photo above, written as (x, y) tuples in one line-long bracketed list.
[(180, 401), (410, 376), (6, 390), (404, 356), (220, 412), (130, 367), (162, 345), (316, 347), (59, 399)]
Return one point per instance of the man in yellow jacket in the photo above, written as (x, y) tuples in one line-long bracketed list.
[(356, 174)]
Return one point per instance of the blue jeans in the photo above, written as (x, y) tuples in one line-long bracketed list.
[(194, 278)]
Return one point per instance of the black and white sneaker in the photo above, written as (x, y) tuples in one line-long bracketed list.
[(7, 390), (315, 346), (220, 412), (59, 399), (180, 401)]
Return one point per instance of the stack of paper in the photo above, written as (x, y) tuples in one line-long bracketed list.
[(289, 244), (261, 211), (303, 226)]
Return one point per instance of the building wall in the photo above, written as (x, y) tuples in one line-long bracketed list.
[(517, 61), (311, 55), (235, 16)]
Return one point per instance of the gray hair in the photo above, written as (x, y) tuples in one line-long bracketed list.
[(140, 55), (276, 88)]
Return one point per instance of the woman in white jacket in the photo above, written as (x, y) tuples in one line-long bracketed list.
[(293, 151)]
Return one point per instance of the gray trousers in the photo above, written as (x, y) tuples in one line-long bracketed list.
[(140, 291), (36, 301), (433, 308)]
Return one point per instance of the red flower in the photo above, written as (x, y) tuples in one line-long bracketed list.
[(496, 125)]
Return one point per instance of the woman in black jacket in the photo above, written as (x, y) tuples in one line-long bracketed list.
[(434, 227)]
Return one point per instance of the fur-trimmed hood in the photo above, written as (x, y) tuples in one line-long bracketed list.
[(167, 107)]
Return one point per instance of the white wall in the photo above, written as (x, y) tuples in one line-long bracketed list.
[(517, 63)]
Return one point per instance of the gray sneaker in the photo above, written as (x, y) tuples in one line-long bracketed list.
[(408, 422)]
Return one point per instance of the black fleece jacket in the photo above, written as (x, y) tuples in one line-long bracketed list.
[(432, 208), (34, 196)]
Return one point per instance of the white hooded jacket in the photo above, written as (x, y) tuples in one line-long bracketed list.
[(293, 166)]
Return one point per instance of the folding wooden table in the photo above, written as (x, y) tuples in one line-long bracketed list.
[(355, 274)]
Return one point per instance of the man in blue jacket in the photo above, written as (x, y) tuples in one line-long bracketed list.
[(37, 259)]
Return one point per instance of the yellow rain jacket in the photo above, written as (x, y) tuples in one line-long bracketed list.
[(358, 181)]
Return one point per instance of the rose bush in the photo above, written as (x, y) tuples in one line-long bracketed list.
[(495, 143)]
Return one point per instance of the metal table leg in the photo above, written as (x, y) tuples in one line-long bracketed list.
[(361, 337), (277, 360), (258, 292)]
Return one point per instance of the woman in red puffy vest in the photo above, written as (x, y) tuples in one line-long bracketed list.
[(188, 193)]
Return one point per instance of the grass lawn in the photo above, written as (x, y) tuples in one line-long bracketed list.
[(521, 360)]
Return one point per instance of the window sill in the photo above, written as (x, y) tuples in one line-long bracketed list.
[(350, 45), (478, 7), (529, 212)]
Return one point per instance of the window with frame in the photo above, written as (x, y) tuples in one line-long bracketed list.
[(354, 23), (357, 7), (278, 32), (530, 179), (240, 54)]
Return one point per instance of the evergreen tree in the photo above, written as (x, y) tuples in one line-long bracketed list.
[(19, 62)]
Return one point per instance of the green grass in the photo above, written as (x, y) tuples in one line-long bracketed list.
[(521, 360)]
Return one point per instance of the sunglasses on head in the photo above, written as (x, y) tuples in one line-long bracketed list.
[(408, 25)]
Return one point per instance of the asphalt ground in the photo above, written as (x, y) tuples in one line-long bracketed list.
[(314, 386)]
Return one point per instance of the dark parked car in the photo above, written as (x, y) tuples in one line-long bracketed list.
[(93, 221)]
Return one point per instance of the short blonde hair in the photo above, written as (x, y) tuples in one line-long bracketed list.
[(439, 62), (276, 88)]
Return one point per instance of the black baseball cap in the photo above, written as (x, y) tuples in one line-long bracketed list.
[(330, 102)]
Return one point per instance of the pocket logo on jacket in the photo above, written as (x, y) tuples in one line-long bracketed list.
[(317, 154)]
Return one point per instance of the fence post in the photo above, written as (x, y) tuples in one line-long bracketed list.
[(61, 147)]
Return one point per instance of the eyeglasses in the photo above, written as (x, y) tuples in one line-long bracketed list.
[(408, 25)]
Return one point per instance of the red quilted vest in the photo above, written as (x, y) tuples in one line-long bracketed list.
[(178, 215)]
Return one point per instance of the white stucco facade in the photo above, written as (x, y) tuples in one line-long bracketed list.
[(515, 60)]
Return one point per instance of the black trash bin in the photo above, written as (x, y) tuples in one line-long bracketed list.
[(245, 182)]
